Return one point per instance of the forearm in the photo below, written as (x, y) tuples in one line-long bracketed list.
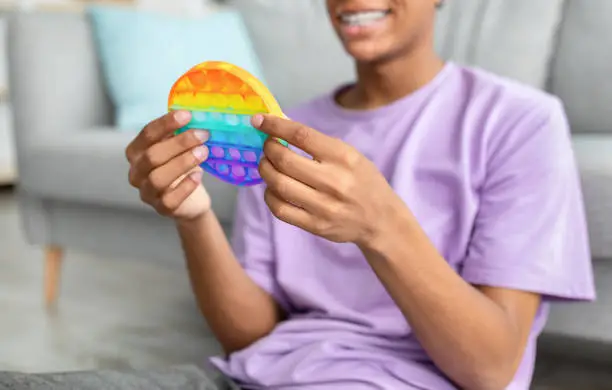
[(237, 310), (469, 337)]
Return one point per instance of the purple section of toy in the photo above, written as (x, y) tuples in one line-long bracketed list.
[(236, 164)]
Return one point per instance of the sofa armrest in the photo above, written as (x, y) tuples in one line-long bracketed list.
[(90, 168), (55, 82)]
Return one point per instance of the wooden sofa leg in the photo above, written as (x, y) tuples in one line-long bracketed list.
[(53, 263)]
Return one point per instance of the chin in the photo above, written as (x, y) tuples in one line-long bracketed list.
[(366, 52)]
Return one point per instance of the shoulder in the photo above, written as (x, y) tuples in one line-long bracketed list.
[(511, 115), (504, 99)]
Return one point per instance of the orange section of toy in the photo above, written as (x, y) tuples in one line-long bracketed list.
[(221, 87)]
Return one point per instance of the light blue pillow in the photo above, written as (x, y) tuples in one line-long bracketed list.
[(143, 53)]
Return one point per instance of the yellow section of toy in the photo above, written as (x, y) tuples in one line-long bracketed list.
[(222, 87)]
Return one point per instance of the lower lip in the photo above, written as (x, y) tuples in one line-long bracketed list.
[(356, 31)]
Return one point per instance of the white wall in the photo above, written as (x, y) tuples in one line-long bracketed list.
[(7, 150), (3, 70)]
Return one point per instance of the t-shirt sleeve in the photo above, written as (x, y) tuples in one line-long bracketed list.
[(252, 241), (530, 232)]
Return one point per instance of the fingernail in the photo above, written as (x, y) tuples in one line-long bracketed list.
[(196, 176), (257, 121), (202, 135), (200, 152), (182, 116)]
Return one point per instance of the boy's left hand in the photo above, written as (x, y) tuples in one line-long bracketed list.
[(338, 194)]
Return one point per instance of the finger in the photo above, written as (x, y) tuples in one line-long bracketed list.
[(293, 191), (162, 152), (151, 195), (287, 161), (316, 144), (164, 177), (287, 212), (324, 177), (173, 199), (155, 131)]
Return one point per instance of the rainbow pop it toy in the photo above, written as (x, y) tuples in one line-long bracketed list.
[(222, 99)]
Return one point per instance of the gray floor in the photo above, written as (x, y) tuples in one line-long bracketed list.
[(113, 313), (122, 313)]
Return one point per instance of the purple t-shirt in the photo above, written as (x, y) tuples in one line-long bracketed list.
[(486, 166)]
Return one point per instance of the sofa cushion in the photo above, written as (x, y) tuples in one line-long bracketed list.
[(512, 38), (90, 167), (583, 64), (144, 53), (594, 155)]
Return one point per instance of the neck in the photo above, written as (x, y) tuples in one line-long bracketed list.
[(379, 84)]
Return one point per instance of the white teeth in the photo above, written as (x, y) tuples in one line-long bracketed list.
[(362, 18)]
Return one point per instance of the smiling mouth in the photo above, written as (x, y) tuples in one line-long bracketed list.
[(362, 18)]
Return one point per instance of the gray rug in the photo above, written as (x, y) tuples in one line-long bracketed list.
[(182, 377)]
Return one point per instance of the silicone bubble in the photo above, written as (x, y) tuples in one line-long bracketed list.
[(222, 98)]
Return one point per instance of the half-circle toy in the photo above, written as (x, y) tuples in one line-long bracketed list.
[(222, 99)]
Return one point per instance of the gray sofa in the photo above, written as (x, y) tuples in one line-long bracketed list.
[(73, 187)]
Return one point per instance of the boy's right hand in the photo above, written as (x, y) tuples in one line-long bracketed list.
[(165, 168)]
